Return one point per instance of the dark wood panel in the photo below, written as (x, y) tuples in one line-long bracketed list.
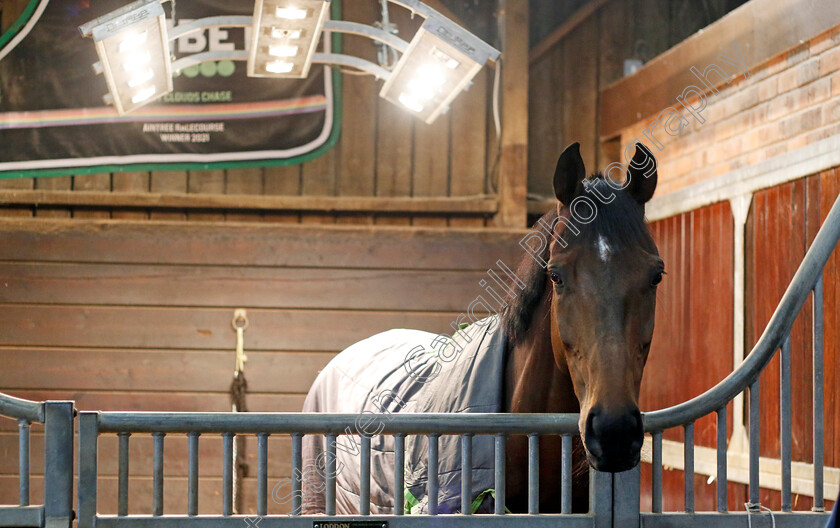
[(202, 329), (256, 245), (159, 370), (254, 287)]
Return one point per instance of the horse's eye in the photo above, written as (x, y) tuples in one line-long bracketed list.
[(556, 278), (657, 278)]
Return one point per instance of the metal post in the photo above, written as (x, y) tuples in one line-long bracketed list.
[(688, 473), (566, 475), (784, 423), (58, 459), (466, 474), (627, 498), (227, 474), (755, 497), (601, 499), (432, 486), (722, 505), (23, 461), (192, 475), (656, 473), (399, 474), (122, 470), (500, 474), (533, 474), (364, 495), (331, 470), (819, 402), (157, 475), (88, 435), (297, 471), (262, 474)]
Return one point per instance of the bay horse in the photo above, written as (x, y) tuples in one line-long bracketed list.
[(575, 334)]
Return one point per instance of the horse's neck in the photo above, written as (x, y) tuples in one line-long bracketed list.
[(533, 381)]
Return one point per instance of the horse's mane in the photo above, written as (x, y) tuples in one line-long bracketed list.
[(621, 223)]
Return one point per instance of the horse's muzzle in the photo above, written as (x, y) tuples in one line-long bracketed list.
[(613, 440)]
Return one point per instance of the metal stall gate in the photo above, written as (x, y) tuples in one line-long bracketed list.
[(614, 499)]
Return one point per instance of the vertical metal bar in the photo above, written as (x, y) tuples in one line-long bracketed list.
[(399, 474), (755, 497), (433, 485), (566, 475), (88, 433), (23, 461), (819, 402), (533, 474), (330, 495), (466, 473), (656, 473), (192, 475), (262, 473), (784, 423), (688, 473), (297, 473), (58, 464), (601, 499), (364, 485), (157, 475), (122, 481), (721, 460), (227, 474), (500, 474)]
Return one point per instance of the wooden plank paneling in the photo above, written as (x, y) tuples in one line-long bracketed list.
[(92, 182), (168, 182), (206, 182), (130, 182), (58, 183), (468, 156), (282, 180), (159, 370), (204, 329), (249, 182), (210, 286), (256, 245)]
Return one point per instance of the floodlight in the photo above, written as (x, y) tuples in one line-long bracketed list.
[(439, 63), (289, 29), (133, 51)]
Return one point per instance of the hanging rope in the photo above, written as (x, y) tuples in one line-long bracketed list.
[(238, 390)]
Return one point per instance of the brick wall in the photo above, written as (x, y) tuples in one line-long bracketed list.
[(788, 102)]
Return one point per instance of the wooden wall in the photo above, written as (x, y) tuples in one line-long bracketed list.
[(692, 347), (382, 152), (137, 316)]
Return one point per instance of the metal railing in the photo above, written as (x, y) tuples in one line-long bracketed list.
[(57, 508), (745, 378), (94, 424)]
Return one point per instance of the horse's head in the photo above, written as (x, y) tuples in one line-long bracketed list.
[(604, 269)]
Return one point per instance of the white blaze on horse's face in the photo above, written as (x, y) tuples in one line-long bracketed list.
[(604, 249)]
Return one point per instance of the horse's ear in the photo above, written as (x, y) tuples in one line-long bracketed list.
[(569, 174), (642, 174)]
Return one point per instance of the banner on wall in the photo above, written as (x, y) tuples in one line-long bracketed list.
[(52, 115)]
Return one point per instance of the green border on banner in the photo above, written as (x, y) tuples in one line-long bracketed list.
[(78, 171)]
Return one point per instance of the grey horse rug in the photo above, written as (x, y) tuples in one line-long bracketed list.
[(406, 371)]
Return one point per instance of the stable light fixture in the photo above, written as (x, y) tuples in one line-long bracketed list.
[(275, 24), (133, 53), (440, 62)]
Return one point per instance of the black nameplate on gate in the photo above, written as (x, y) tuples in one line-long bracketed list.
[(350, 524)]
